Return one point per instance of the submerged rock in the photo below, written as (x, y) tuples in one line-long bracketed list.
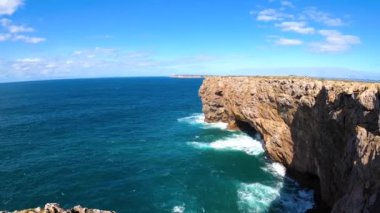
[(55, 208), (324, 128)]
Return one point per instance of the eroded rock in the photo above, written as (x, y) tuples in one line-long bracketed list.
[(330, 129), (55, 208)]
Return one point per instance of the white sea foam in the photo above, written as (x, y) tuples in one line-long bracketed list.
[(178, 209), (278, 169), (236, 142), (256, 197), (199, 119)]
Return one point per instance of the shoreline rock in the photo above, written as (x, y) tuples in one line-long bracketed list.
[(55, 208), (322, 128)]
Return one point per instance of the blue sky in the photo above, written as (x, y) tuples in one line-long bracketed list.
[(108, 38)]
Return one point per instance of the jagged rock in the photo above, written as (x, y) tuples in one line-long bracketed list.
[(330, 129), (55, 208)]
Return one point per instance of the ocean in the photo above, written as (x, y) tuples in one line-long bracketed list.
[(132, 145)]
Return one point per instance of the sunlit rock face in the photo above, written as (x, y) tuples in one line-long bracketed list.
[(330, 129), (55, 208)]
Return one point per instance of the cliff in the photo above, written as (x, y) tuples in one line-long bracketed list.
[(328, 129), (55, 208)]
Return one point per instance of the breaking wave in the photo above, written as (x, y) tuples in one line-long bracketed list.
[(236, 142), (276, 169), (198, 119)]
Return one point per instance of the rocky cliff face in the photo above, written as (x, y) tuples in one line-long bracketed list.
[(330, 129), (55, 208)]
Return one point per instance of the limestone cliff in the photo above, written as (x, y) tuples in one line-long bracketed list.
[(55, 208), (330, 129)]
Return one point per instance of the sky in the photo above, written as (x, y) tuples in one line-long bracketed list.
[(55, 39)]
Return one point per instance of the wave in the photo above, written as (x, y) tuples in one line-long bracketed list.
[(276, 168), (236, 142), (284, 195), (257, 197), (198, 119)]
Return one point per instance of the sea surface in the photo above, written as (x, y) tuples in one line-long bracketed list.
[(132, 145)]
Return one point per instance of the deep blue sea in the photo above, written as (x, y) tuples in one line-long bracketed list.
[(131, 145)]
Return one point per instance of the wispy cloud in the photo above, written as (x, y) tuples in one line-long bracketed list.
[(105, 36), (270, 15), (29, 60), (322, 17), (287, 4), (27, 39), (8, 7), (334, 42), (288, 42), (307, 22), (12, 28), (5, 37), (15, 32), (100, 61), (294, 26)]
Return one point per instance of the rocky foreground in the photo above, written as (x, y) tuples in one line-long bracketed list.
[(55, 208), (320, 128)]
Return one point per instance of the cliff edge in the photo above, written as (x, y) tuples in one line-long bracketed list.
[(324, 128)]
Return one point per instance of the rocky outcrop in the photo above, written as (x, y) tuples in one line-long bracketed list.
[(55, 208), (329, 129)]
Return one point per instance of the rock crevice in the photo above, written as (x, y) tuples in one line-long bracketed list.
[(329, 129)]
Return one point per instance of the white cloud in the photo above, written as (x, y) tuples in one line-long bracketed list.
[(105, 62), (288, 42), (5, 22), (306, 21), (322, 17), (298, 27), (270, 15), (334, 42), (8, 7), (28, 39), (14, 33), (29, 60), (12, 28), (287, 4), (5, 37), (20, 29)]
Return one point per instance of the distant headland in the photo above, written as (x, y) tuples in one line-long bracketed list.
[(187, 76)]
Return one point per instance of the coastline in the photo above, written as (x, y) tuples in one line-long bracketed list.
[(306, 124)]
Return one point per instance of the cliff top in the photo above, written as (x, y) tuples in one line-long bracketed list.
[(294, 77), (346, 85)]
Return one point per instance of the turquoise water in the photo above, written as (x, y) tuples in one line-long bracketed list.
[(131, 145)]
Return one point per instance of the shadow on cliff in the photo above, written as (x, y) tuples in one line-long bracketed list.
[(325, 149)]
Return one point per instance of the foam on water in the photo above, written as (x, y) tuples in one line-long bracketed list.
[(236, 142), (281, 195), (178, 209), (198, 119), (257, 197), (277, 169)]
